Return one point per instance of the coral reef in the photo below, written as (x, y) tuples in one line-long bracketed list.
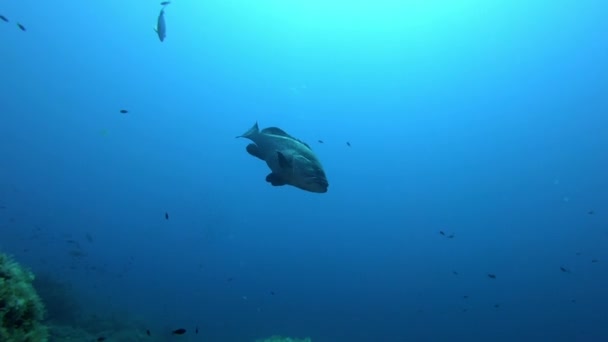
[(21, 310), (277, 338)]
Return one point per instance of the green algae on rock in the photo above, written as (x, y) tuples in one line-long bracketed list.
[(21, 310)]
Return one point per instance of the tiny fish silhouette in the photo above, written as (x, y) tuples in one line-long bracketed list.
[(491, 276), (451, 236), (161, 26), (148, 332), (441, 232), (321, 142), (21, 27), (196, 330), (165, 3), (124, 111), (180, 331), (166, 216), (100, 339), (3, 18), (563, 269), (348, 143), (591, 212), (594, 261)]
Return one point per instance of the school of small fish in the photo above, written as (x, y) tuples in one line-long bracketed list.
[(19, 25)]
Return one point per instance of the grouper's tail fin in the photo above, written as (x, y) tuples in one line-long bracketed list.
[(252, 131)]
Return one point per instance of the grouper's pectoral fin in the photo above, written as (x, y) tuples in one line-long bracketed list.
[(254, 150), (283, 162), (275, 179)]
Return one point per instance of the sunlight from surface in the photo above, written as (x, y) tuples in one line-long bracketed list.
[(356, 28), (362, 17)]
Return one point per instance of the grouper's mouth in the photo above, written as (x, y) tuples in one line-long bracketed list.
[(318, 184)]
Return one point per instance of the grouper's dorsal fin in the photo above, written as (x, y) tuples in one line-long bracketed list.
[(278, 131), (305, 144)]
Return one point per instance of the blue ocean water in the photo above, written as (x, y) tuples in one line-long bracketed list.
[(478, 146)]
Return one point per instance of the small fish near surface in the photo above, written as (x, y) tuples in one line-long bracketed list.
[(180, 331), (451, 236), (291, 160), (3, 18), (161, 26), (21, 27)]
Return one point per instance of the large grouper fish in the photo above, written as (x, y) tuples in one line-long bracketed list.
[(291, 160)]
